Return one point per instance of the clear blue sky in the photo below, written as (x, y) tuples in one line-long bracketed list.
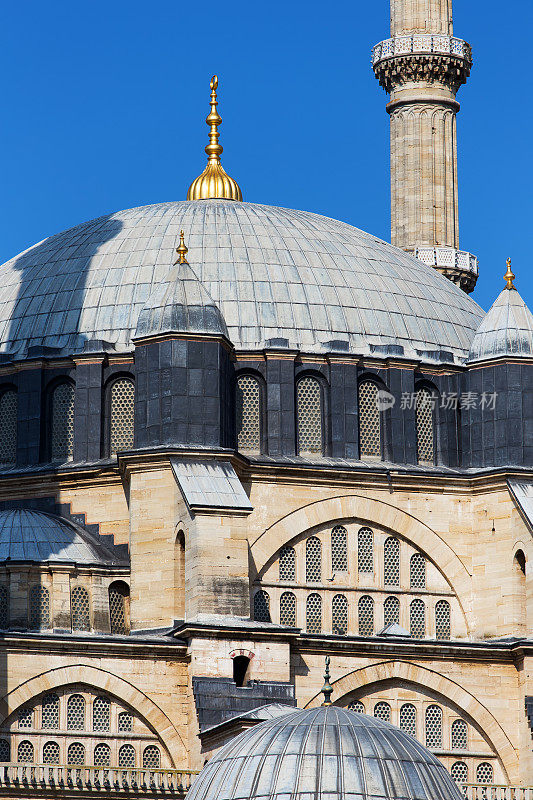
[(103, 108)]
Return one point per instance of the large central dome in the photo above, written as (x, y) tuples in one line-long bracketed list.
[(274, 273)]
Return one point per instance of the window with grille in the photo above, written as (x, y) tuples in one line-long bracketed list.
[(313, 560), (425, 434), (151, 757), (125, 722), (408, 719), (391, 611), (76, 713), (417, 619), (262, 606), (382, 711), (339, 549), (417, 571), (50, 712), (51, 753), (121, 415), (126, 756), (459, 772), (76, 754), (365, 550), (391, 562), (484, 773), (80, 610), (5, 750), (369, 421), (339, 615), (309, 416), (356, 705), (459, 735), (248, 414), (62, 422), (25, 718), (442, 620), (8, 428), (118, 598), (4, 607), (287, 564), (25, 752), (434, 727), (365, 609), (102, 755), (313, 614), (101, 713), (39, 607), (287, 609)]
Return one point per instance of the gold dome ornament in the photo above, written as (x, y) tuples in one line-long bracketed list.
[(182, 250), (214, 182), (509, 276)]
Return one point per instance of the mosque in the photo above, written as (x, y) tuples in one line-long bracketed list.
[(236, 439)]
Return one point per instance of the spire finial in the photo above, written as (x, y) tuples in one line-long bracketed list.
[(509, 276), (214, 182), (182, 250), (327, 689)]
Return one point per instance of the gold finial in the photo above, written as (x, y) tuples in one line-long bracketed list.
[(327, 689), (214, 182), (182, 250), (509, 276)]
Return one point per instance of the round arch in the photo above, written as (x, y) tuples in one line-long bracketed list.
[(107, 682)]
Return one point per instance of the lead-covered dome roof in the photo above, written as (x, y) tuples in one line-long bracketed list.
[(275, 274), (326, 753)]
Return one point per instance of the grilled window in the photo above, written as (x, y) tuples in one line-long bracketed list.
[(417, 571), (339, 614), (80, 610), (425, 434), (126, 756), (76, 713), (369, 421), (25, 752), (356, 705), (25, 718), (51, 753), (459, 735), (365, 550), (287, 609), (309, 416), (442, 620), (313, 560), (151, 757), (459, 772), (50, 712), (248, 414), (102, 755), (101, 713), (382, 711), (391, 611), (313, 614), (118, 598), (434, 727), (62, 422), (8, 428), (4, 607), (5, 750), (408, 719), (125, 722), (76, 754), (287, 564), (417, 619), (391, 562), (339, 549), (365, 609), (484, 773), (262, 606), (39, 607), (121, 415)]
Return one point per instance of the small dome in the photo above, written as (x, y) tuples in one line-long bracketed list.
[(325, 753), (505, 330), (27, 535)]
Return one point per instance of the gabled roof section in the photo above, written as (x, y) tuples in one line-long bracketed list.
[(505, 330)]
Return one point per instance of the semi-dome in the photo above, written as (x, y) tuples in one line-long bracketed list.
[(323, 753), (278, 276)]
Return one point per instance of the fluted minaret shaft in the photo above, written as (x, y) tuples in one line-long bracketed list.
[(421, 16)]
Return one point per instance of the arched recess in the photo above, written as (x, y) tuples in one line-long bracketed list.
[(415, 674), (179, 575), (107, 682), (367, 511)]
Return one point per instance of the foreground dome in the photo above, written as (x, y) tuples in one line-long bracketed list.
[(325, 753), (273, 273)]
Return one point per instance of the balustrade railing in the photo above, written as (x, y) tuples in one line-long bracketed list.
[(483, 791), (421, 43)]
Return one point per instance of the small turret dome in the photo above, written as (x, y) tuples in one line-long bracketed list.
[(505, 330)]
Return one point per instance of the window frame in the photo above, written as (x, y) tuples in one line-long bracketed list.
[(48, 420), (248, 373), (4, 389), (107, 416), (383, 418), (324, 395), (432, 389)]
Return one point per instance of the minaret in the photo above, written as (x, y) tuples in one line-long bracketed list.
[(422, 66)]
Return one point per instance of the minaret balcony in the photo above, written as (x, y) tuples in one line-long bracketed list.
[(459, 266), (421, 43), (422, 58)]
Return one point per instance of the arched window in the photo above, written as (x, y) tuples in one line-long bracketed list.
[(62, 422), (313, 560), (8, 428), (50, 712), (339, 614), (309, 416), (417, 619), (126, 756), (51, 753), (25, 752), (80, 609), (119, 595), (484, 773), (417, 571), (262, 606), (313, 614), (76, 754), (102, 755), (287, 609), (365, 608), (425, 425), (125, 722), (391, 562), (391, 611), (339, 549), (121, 415), (101, 713), (248, 414), (4, 607), (76, 713), (442, 620), (25, 718), (408, 719), (382, 711), (519, 569), (369, 421), (151, 757), (39, 607), (365, 550), (356, 705), (459, 735), (434, 727), (287, 564), (5, 750), (459, 772)]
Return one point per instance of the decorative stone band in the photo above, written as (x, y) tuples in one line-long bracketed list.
[(421, 43), (458, 265)]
